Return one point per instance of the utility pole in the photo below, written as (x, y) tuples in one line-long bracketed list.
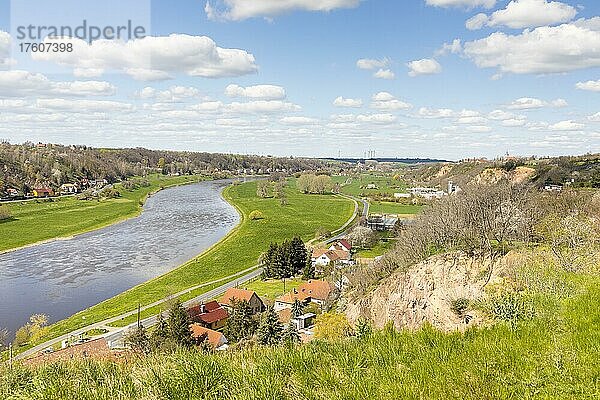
[(10, 355), (138, 316), (284, 285)]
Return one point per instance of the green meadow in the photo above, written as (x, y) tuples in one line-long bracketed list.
[(45, 219), (384, 207), (240, 250), (553, 356), (357, 186)]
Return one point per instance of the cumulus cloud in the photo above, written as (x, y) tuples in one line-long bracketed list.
[(5, 60), (513, 122), (377, 118), (18, 83), (343, 102), (236, 10), (262, 106), (525, 14), (593, 86), (453, 48), (435, 113), (426, 66), (461, 3), (566, 126), (594, 117), (154, 58), (172, 95), (529, 103), (263, 92), (298, 121), (543, 50), (369, 63), (384, 74), (386, 101)]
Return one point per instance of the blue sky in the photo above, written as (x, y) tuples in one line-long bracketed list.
[(263, 77)]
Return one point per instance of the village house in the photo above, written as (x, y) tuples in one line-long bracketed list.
[(313, 291), (235, 294), (43, 192), (97, 349), (553, 188), (217, 340), (427, 193), (210, 315), (69, 188), (341, 245), (323, 257)]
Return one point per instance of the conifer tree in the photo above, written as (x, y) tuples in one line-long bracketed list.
[(270, 329), (240, 324), (290, 335), (179, 325)]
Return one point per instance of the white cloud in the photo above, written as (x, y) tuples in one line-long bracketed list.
[(435, 113), (18, 83), (298, 121), (593, 86), (386, 101), (500, 115), (262, 106), (352, 103), (236, 10), (172, 95), (384, 74), (263, 92), (462, 3), (525, 14), (471, 120), (594, 117), (543, 50), (154, 57), (5, 60), (453, 48), (513, 122), (566, 126), (369, 63), (83, 106), (207, 106), (426, 66), (479, 129), (377, 118), (529, 103)]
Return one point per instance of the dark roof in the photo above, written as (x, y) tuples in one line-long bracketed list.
[(213, 316)]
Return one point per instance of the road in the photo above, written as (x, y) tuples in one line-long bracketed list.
[(117, 333), (365, 214)]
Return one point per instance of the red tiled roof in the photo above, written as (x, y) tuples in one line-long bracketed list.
[(213, 316), (235, 293), (345, 243), (214, 338), (212, 305), (315, 289)]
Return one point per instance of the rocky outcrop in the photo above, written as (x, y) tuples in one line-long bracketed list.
[(427, 292)]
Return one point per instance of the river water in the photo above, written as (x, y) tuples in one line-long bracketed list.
[(65, 276)]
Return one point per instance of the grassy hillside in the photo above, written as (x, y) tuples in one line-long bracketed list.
[(553, 356), (303, 215), (36, 221)]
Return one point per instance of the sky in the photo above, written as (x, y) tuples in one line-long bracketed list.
[(448, 79)]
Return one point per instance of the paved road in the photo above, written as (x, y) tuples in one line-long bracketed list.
[(365, 213), (117, 333)]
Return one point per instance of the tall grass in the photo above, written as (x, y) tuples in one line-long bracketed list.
[(552, 356)]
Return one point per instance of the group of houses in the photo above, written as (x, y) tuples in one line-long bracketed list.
[(338, 254), (45, 191)]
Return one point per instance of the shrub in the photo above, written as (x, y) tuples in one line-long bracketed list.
[(256, 215), (5, 213)]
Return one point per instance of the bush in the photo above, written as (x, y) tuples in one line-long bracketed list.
[(256, 215), (5, 213)]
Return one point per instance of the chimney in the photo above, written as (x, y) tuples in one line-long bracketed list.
[(202, 309)]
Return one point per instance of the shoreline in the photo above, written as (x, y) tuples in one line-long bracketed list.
[(116, 222)]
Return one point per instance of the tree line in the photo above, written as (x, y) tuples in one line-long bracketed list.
[(284, 260)]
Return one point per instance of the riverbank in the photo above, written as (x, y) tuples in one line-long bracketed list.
[(238, 251), (62, 218)]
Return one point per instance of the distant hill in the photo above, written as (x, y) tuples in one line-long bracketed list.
[(388, 160)]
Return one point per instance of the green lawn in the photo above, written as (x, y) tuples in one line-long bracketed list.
[(237, 252), (357, 186), (378, 250), (40, 220), (273, 288), (382, 207)]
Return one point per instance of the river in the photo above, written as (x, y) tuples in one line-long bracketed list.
[(62, 277)]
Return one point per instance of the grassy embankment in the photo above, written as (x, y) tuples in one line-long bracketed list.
[(553, 356), (238, 251), (45, 219)]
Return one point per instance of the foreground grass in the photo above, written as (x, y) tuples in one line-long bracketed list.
[(554, 356), (41, 220), (237, 252)]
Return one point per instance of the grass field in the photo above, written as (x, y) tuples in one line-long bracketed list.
[(238, 251), (40, 220), (382, 207), (357, 185), (272, 288), (378, 250), (553, 356)]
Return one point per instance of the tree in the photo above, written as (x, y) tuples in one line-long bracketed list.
[(262, 189), (256, 215), (309, 270), (290, 335), (362, 237), (297, 309), (240, 324), (332, 326), (297, 255), (179, 325), (5, 213), (3, 338), (22, 335), (269, 330), (304, 183), (137, 339), (160, 334)]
